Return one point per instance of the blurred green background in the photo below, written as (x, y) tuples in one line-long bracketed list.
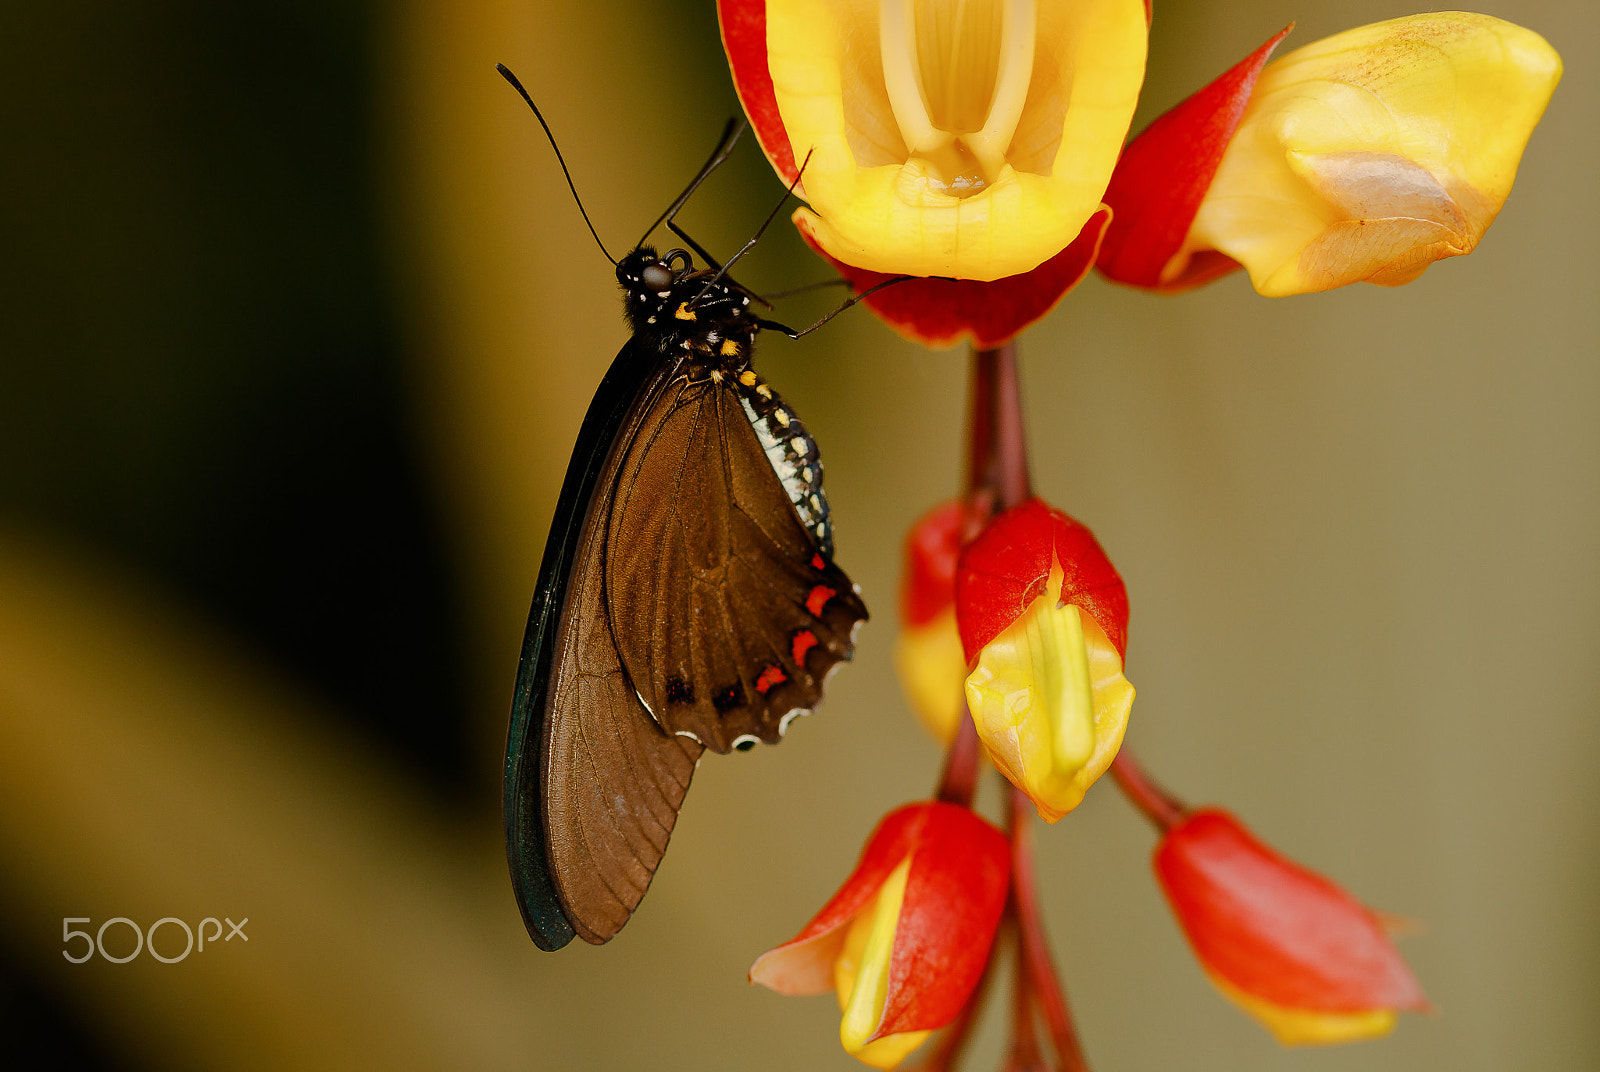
[(299, 324)]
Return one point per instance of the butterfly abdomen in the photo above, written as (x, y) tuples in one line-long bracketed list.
[(792, 453)]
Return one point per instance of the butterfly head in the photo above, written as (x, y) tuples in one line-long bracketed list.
[(677, 308)]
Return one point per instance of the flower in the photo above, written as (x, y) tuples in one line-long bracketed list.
[(905, 940), (927, 652), (971, 142), (1043, 618), (1365, 156), (1292, 949), (980, 143)]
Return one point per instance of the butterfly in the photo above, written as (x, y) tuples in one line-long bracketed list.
[(687, 600)]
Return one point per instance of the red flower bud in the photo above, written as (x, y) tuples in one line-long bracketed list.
[(1300, 954), (905, 940), (927, 653), (1043, 618)]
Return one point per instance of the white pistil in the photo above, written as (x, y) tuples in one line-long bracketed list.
[(957, 74)]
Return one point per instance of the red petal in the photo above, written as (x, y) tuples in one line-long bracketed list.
[(941, 312), (928, 585), (1163, 176), (893, 840), (1274, 929), (955, 892), (1008, 565), (744, 38)]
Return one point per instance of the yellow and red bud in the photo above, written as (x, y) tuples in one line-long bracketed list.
[(1363, 157), (905, 940), (1043, 619), (927, 652), (1292, 949)]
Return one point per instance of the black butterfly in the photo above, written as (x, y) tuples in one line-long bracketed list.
[(687, 599)]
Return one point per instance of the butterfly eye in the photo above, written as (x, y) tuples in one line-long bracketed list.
[(657, 276)]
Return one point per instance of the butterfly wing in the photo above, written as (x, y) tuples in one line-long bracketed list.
[(726, 611), (592, 785)]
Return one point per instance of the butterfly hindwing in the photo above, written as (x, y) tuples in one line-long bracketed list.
[(727, 616)]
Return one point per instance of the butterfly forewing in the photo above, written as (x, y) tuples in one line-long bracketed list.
[(592, 786), (727, 617), (614, 781)]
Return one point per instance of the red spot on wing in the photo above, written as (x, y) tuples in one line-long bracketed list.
[(817, 563), (804, 641), (819, 598), (772, 675)]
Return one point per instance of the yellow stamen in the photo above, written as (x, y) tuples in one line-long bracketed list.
[(957, 74)]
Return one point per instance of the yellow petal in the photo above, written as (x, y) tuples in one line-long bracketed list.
[(1050, 702), (1369, 155), (1301, 1027), (861, 977), (968, 138), (932, 671)]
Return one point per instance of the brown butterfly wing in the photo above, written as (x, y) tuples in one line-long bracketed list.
[(611, 780), (726, 613)]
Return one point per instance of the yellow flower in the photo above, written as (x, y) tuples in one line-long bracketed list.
[(1373, 153), (970, 139)]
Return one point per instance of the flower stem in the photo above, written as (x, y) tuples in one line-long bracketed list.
[(959, 781), (997, 449), (1033, 949), (1159, 806)]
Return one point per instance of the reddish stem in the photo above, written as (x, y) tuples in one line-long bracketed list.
[(997, 449), (1033, 949), (1025, 1055), (959, 782), (1159, 806)]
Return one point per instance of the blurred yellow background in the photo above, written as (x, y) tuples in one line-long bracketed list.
[(300, 324)]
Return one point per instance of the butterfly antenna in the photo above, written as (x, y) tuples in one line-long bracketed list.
[(772, 325), (807, 289), (725, 144), (748, 246), (505, 73)]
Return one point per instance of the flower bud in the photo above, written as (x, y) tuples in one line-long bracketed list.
[(1285, 944), (906, 938), (1369, 155), (927, 654), (1043, 618)]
